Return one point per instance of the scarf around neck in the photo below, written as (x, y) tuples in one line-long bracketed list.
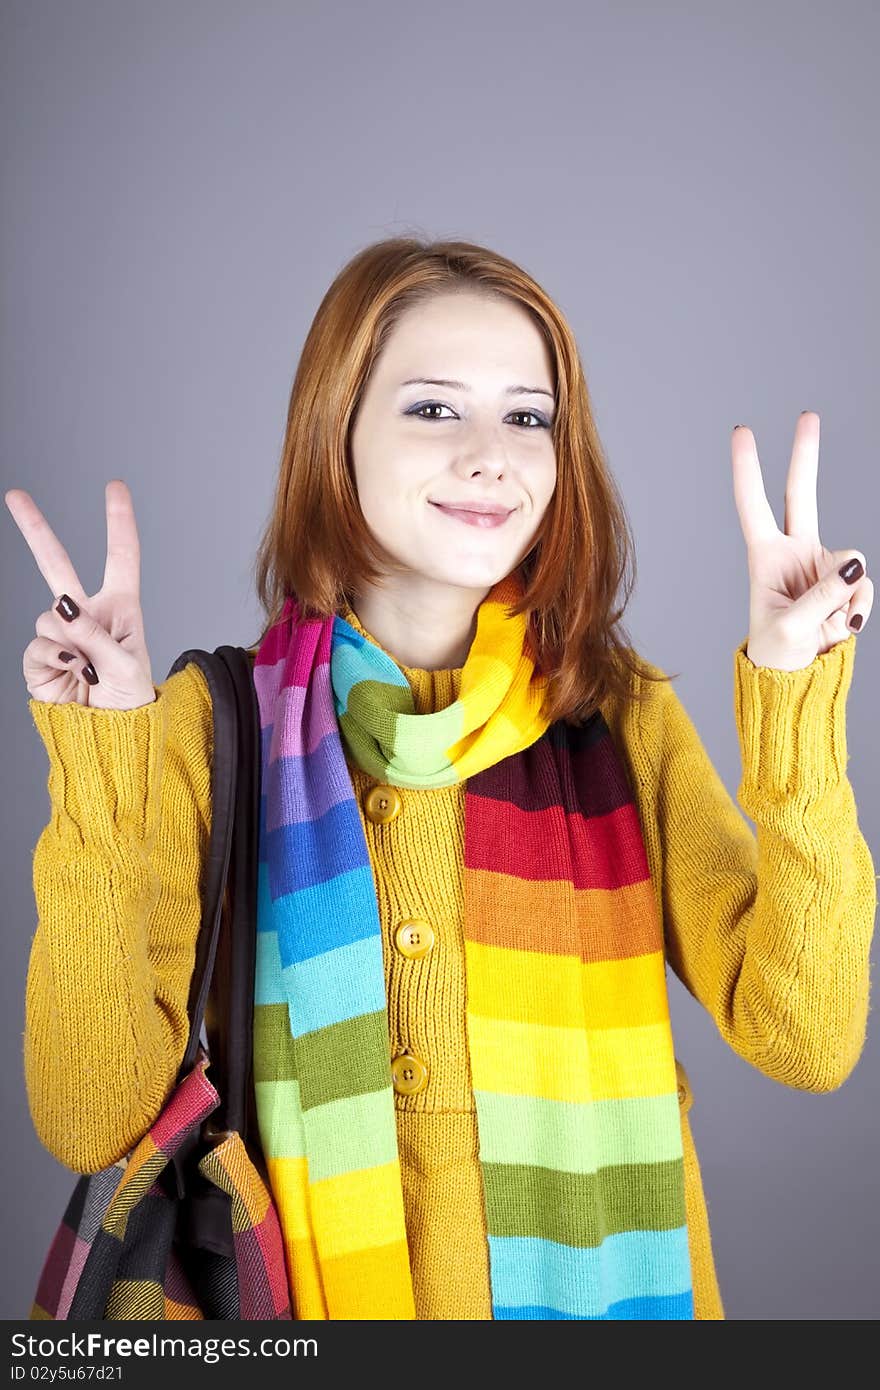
[(568, 1025)]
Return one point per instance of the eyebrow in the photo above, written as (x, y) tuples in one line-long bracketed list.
[(460, 386)]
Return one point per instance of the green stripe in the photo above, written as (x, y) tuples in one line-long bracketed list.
[(367, 723), (280, 1121), (358, 1132), (273, 1045), (580, 1209), (532, 1130), (370, 723), (419, 754), (332, 1063), (344, 1059)]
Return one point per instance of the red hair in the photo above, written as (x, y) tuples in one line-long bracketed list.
[(317, 544)]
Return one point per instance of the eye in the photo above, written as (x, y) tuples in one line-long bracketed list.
[(543, 422)]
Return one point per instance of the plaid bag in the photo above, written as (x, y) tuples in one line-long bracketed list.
[(184, 1226)]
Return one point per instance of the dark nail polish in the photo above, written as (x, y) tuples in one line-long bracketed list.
[(855, 621), (852, 571), (67, 608), (67, 656), (90, 673)]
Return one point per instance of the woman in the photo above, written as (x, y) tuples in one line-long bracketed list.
[(487, 824)]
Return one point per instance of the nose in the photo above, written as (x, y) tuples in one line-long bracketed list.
[(489, 462)]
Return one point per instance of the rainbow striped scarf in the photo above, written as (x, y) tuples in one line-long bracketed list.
[(568, 1023)]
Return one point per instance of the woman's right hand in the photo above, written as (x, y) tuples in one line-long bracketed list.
[(109, 630)]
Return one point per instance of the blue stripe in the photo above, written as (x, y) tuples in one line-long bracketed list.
[(676, 1307), (268, 984), (324, 989), (265, 918), (340, 984), (349, 665), (586, 1281), (309, 853), (302, 918)]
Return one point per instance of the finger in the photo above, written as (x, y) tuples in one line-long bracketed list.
[(122, 571), (52, 559), (801, 506), (831, 593), (102, 650), (755, 513), (44, 659), (861, 604)]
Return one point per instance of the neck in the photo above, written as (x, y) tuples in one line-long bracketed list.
[(431, 633)]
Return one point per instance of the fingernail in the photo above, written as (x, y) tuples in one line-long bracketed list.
[(852, 571), (90, 673), (67, 608), (66, 656), (856, 621)]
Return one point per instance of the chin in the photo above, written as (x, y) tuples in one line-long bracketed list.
[(465, 576)]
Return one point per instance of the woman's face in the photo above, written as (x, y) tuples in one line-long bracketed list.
[(482, 436)]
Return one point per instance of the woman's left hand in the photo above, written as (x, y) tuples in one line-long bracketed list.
[(799, 605)]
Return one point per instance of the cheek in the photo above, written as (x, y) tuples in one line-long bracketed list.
[(545, 484), (387, 508)]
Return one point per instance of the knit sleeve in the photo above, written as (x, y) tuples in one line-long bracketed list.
[(116, 878), (770, 931)]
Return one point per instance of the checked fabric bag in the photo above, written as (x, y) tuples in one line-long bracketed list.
[(184, 1227)]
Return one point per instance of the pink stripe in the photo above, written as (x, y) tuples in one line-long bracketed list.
[(313, 648), (281, 684), (78, 1257), (277, 639), (300, 728)]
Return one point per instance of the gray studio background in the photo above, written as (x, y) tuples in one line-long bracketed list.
[(695, 184)]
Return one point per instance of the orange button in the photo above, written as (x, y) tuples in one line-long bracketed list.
[(382, 804), (409, 1074), (414, 938)]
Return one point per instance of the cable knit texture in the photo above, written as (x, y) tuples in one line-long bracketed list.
[(771, 932)]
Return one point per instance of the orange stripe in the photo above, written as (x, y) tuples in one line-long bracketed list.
[(593, 923)]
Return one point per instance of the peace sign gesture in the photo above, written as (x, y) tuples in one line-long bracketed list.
[(90, 650), (804, 598)]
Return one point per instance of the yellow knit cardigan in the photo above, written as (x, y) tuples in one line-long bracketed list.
[(772, 934)]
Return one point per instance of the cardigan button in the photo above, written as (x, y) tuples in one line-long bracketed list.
[(409, 1074), (382, 804), (685, 1094), (414, 938)]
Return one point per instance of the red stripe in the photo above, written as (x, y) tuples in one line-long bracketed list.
[(589, 852)]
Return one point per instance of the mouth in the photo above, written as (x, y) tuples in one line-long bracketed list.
[(473, 517)]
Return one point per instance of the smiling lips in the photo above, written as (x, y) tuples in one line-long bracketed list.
[(488, 518)]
